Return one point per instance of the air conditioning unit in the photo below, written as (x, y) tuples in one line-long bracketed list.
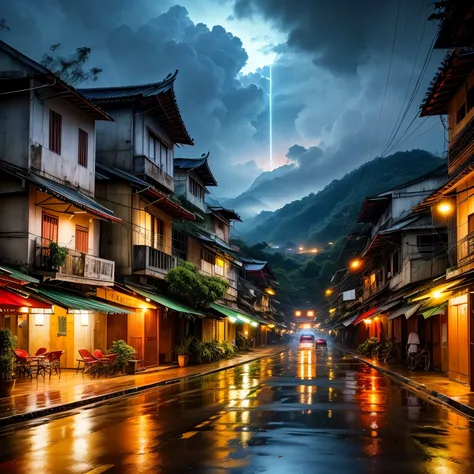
[(389, 275)]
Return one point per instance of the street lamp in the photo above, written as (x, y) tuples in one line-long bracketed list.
[(445, 208), (355, 264), (329, 292)]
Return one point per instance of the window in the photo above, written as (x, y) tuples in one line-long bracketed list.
[(470, 223), (373, 282), (461, 113), (470, 98), (49, 230), (208, 262), (62, 326), (55, 131), (82, 239), (196, 189), (159, 153), (83, 147), (396, 263), (180, 244), (431, 243), (157, 232), (219, 267)]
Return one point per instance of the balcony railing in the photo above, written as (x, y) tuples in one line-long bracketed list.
[(462, 147), (148, 259), (466, 249), (144, 167), (79, 265)]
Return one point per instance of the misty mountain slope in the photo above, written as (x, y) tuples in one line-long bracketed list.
[(329, 214)]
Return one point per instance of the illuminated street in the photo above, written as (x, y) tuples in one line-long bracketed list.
[(295, 413)]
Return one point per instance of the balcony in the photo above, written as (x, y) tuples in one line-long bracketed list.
[(144, 168), (461, 149), (465, 249), (195, 201), (78, 268), (152, 262)]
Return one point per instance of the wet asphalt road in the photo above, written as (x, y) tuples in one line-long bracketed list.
[(295, 413)]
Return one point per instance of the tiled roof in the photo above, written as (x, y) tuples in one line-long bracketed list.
[(66, 91), (198, 165), (157, 98)]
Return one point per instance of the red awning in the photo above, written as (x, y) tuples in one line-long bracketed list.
[(9, 299), (365, 315)]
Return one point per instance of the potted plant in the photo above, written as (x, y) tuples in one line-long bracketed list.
[(125, 354), (183, 349), (7, 362), (57, 255)]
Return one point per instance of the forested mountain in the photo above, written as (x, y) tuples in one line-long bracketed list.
[(329, 214), (318, 219)]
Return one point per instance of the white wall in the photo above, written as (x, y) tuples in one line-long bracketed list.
[(65, 166)]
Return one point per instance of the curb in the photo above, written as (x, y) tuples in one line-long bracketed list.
[(19, 418), (432, 395)]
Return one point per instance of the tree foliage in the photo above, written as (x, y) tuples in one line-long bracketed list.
[(70, 69), (188, 284)]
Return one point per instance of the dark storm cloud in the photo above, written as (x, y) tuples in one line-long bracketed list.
[(340, 34), (134, 42)]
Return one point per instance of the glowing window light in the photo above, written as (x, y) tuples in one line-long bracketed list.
[(310, 314), (298, 313)]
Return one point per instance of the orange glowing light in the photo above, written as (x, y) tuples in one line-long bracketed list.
[(298, 313), (356, 264), (310, 314), (329, 292)]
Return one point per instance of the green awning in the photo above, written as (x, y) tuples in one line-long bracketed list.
[(232, 313), (434, 310), (75, 302), (12, 273), (166, 301)]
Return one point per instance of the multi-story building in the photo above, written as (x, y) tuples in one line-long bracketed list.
[(50, 221), (205, 242), (135, 168), (452, 94)]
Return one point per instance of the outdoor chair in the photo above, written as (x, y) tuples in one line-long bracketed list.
[(23, 364), (106, 362), (88, 360), (51, 363), (41, 351)]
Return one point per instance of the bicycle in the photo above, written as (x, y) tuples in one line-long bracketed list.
[(419, 359)]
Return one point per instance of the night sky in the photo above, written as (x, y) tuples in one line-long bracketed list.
[(335, 104)]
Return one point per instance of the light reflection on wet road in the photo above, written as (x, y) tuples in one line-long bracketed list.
[(295, 413)]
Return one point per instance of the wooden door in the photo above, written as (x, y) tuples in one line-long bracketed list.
[(167, 332), (463, 343), (151, 338), (452, 341), (116, 328)]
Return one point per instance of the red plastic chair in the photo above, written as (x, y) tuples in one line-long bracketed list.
[(87, 359), (106, 362), (23, 364), (41, 351)]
